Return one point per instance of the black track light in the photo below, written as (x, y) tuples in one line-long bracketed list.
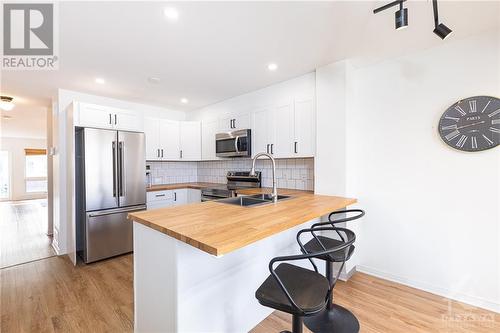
[(401, 16), (442, 31), (439, 28)]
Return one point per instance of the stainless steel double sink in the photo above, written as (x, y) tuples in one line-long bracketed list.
[(252, 200)]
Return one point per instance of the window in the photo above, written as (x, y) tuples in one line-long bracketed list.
[(36, 170), (4, 175)]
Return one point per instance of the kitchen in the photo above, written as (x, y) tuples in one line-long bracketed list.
[(189, 197)]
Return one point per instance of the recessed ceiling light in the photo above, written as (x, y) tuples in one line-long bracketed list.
[(272, 67), (100, 80), (7, 117), (184, 100), (171, 13), (6, 103), (154, 80)]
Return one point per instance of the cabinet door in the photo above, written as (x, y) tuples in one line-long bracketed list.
[(128, 120), (193, 195), (283, 130), (159, 204), (180, 197), (261, 130), (208, 130), (241, 121), (169, 139), (90, 115), (152, 133), (226, 124), (305, 129), (190, 140)]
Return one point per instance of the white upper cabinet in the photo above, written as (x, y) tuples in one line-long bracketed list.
[(304, 128), (98, 116), (283, 130), (287, 129), (190, 140), (169, 140), (234, 121), (90, 115), (152, 133), (209, 128), (262, 131)]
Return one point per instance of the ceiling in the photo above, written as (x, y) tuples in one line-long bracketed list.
[(218, 50)]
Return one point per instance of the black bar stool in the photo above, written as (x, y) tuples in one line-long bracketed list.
[(333, 318), (299, 291)]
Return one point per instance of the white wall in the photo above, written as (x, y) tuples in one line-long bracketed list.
[(15, 147), (433, 217), (302, 85)]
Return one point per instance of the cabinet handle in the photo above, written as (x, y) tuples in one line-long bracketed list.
[(175, 196), (116, 120), (162, 153), (234, 123), (181, 153), (157, 152), (267, 148), (110, 121), (272, 148), (295, 149), (159, 195)]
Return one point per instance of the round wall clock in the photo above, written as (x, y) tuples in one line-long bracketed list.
[(472, 124)]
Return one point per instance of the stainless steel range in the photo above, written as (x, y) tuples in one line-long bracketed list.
[(236, 180)]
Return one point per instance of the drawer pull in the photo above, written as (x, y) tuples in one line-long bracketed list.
[(159, 195)]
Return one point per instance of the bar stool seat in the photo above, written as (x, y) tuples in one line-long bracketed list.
[(314, 246), (307, 288)]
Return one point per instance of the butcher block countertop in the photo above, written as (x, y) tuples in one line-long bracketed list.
[(195, 185), (219, 228)]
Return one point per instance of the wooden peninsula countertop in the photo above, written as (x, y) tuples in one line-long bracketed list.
[(219, 228)]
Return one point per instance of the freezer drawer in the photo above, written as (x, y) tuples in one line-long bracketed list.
[(108, 233)]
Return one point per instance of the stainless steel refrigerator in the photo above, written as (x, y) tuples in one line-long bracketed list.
[(110, 183)]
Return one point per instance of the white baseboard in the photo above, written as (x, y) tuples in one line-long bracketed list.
[(445, 292)]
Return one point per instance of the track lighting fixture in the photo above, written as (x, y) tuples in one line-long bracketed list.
[(401, 16), (439, 28)]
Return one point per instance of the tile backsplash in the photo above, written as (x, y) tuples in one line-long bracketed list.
[(294, 173)]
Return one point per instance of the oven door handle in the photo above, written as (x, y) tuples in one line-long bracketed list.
[(236, 142)]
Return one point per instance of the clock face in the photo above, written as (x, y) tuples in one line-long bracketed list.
[(472, 124)]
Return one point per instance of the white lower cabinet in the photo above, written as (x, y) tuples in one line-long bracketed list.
[(169, 198)]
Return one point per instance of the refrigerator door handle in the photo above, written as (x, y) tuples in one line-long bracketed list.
[(120, 169), (117, 210), (114, 168)]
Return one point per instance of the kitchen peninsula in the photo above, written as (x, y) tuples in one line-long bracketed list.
[(196, 267)]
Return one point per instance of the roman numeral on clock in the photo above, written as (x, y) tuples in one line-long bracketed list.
[(473, 106), (484, 109), (495, 121), (452, 118), (462, 141), (494, 113), (474, 142), (452, 135), (450, 127), (488, 140), (495, 130), (459, 109)]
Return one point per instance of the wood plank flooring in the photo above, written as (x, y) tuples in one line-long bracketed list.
[(51, 295), (23, 228)]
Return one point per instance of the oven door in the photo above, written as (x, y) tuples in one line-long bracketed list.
[(233, 144)]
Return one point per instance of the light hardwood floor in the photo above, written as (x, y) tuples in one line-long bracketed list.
[(23, 228), (51, 295)]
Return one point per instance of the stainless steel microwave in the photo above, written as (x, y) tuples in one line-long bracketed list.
[(234, 144)]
